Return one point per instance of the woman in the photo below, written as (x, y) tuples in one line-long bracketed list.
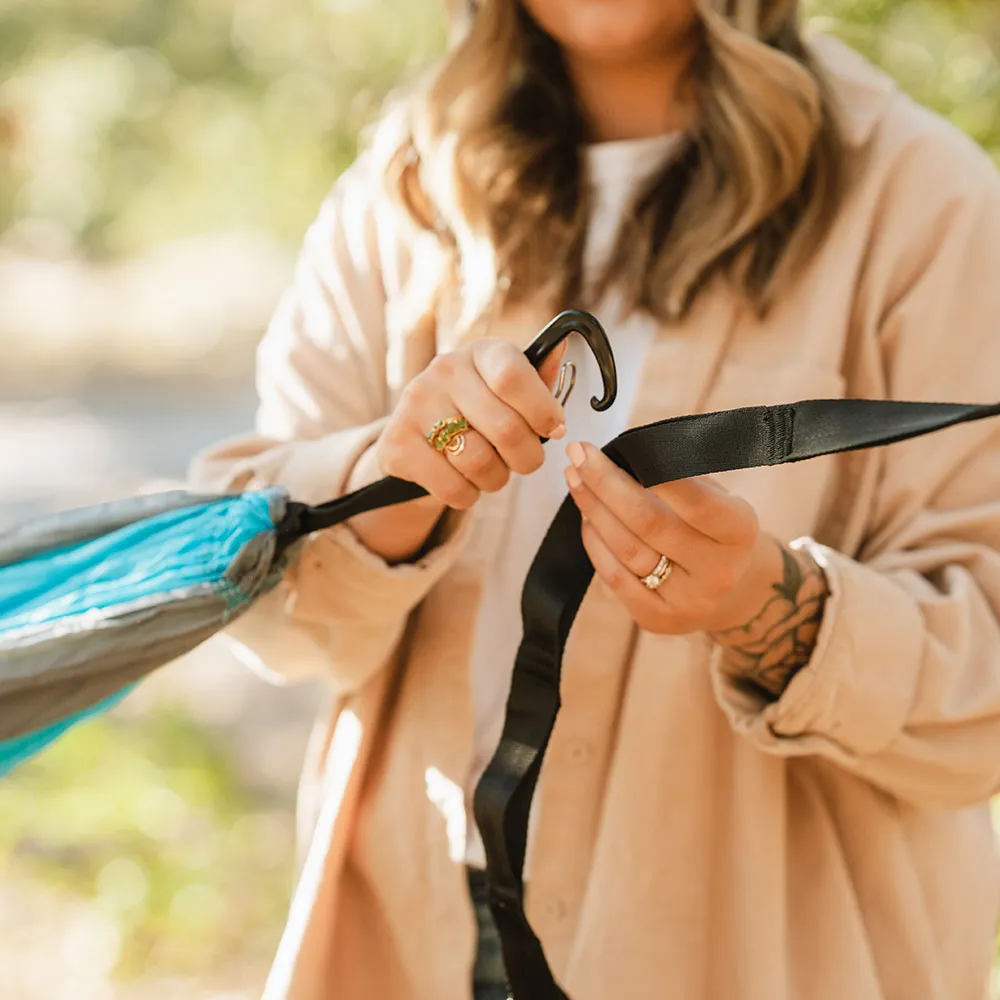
[(781, 706)]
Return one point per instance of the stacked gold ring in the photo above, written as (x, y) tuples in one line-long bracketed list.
[(449, 434)]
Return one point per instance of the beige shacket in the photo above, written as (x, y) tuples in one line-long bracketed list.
[(693, 843)]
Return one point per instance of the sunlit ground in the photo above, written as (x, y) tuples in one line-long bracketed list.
[(135, 849)]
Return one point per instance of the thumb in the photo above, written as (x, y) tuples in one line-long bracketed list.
[(548, 370)]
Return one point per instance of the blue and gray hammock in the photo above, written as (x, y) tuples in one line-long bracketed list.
[(94, 600)]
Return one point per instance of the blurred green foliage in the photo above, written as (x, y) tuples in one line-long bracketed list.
[(124, 123), (146, 817), (127, 122), (945, 53)]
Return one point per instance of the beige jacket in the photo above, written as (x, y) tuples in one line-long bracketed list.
[(693, 843)]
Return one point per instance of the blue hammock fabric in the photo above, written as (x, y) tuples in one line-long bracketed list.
[(91, 600), (18, 750)]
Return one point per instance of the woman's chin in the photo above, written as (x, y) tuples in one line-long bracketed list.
[(614, 31)]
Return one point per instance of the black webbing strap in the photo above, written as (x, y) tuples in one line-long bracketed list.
[(700, 444), (673, 449), (561, 572), (301, 519)]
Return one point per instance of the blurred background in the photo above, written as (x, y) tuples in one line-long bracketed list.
[(159, 162)]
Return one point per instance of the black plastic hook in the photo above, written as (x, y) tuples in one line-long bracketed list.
[(577, 321), (301, 519)]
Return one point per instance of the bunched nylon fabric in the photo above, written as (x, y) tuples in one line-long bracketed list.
[(94, 599)]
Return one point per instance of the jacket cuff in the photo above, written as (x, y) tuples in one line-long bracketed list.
[(856, 690), (360, 601), (339, 611)]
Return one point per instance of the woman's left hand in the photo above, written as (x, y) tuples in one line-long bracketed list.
[(726, 577)]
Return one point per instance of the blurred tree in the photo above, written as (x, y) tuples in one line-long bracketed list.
[(945, 53), (127, 122)]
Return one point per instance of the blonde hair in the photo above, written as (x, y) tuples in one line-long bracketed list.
[(490, 161)]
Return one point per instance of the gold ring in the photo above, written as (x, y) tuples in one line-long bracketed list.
[(445, 431), (660, 573)]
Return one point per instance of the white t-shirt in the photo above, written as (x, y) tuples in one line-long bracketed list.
[(615, 169)]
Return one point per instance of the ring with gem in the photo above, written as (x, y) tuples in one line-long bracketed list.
[(448, 434), (661, 571)]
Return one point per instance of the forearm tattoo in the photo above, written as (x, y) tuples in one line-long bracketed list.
[(765, 654)]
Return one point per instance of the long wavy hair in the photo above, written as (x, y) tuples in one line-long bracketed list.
[(490, 161)]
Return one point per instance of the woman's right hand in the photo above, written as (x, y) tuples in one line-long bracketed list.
[(508, 406)]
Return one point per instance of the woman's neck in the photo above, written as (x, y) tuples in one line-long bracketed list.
[(634, 100)]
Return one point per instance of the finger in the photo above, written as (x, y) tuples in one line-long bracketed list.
[(512, 438), (638, 509), (645, 606), (509, 376), (710, 509), (404, 451), (631, 551), (409, 456), (479, 462)]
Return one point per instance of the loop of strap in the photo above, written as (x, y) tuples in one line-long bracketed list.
[(561, 572), (662, 452)]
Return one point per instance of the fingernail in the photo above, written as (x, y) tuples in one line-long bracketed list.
[(573, 478), (560, 431), (576, 454)]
